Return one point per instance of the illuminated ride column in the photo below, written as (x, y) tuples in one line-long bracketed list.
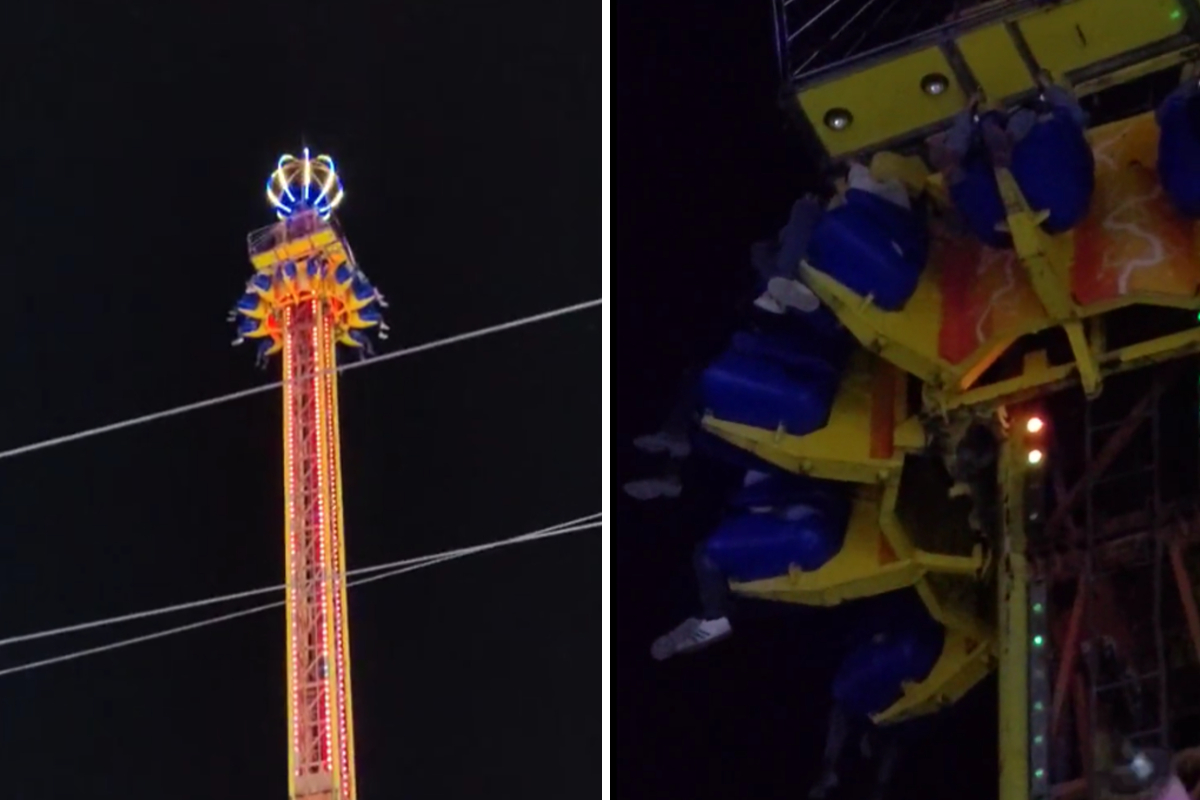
[(305, 298), (318, 648)]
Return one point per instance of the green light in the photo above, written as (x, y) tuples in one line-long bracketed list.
[(1039, 739), (1176, 14), (1037, 608), (1039, 773), (1038, 641), (1038, 706)]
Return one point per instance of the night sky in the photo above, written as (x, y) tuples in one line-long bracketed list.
[(137, 140), (702, 166)]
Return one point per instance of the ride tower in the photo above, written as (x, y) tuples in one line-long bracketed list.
[(1045, 298), (307, 296)]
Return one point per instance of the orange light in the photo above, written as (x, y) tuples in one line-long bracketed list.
[(1035, 425), (1035, 457)]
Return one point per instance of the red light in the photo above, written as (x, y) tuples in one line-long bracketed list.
[(1034, 425)]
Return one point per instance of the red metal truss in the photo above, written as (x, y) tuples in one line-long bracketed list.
[(320, 730)]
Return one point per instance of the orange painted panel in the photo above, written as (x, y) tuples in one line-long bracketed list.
[(985, 294), (1132, 241)]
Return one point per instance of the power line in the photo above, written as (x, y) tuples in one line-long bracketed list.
[(228, 398), (572, 526), (428, 562)]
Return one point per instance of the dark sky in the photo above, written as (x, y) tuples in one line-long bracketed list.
[(137, 140), (702, 166)]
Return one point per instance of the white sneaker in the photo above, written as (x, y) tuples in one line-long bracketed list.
[(654, 488), (753, 476), (793, 294), (694, 634), (655, 443), (769, 304)]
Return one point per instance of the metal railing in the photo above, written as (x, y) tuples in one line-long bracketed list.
[(817, 36)]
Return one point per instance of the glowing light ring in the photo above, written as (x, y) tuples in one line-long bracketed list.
[(302, 183)]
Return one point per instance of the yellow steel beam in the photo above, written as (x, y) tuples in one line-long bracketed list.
[(1012, 582), (963, 663), (1047, 259), (1071, 36), (907, 340), (1095, 43), (1040, 378), (868, 433), (877, 557)]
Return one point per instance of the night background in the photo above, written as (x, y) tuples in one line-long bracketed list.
[(704, 163), (138, 138)]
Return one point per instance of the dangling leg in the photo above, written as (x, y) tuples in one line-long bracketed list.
[(835, 743), (784, 284), (672, 437), (888, 759), (713, 625), (667, 486)]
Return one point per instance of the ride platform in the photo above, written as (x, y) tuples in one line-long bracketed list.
[(973, 304)]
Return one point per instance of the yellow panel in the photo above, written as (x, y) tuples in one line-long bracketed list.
[(961, 666), (886, 101), (995, 62), (263, 260), (1078, 34), (298, 248), (864, 567)]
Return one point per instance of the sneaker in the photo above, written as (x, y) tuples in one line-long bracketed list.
[(654, 488), (769, 304), (677, 447), (694, 634), (793, 294)]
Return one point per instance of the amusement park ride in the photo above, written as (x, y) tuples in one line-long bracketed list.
[(306, 297), (1064, 342)]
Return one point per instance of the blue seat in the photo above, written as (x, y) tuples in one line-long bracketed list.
[(1055, 169), (753, 389), (872, 247), (1179, 152), (899, 645), (749, 546)]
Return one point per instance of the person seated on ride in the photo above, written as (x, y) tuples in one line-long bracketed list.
[(868, 236), (1178, 147), (1043, 144), (772, 333), (777, 520), (894, 642)]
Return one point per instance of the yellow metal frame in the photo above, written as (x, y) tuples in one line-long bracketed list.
[(291, 591), (963, 663), (877, 557), (342, 583), (1012, 588), (323, 240), (1094, 43), (910, 338), (842, 450)]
